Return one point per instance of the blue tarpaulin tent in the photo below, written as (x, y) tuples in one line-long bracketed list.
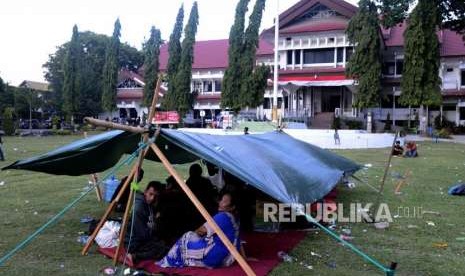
[(287, 169)]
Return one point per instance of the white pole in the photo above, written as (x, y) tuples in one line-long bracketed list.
[(274, 112)]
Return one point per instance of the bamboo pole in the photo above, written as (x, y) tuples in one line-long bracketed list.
[(108, 211), (140, 160), (388, 164), (244, 265), (102, 123)]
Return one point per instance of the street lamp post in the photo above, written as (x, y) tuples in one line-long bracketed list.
[(30, 110), (274, 111)]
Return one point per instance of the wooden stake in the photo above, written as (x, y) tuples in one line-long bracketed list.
[(98, 191), (232, 249), (94, 179)]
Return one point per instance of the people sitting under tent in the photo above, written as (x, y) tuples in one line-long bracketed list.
[(398, 150), (411, 149), (203, 248), (141, 240), (175, 212), (215, 175), (123, 201), (204, 191), (246, 207)]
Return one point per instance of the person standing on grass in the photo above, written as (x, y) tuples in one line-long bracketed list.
[(337, 140), (2, 156)]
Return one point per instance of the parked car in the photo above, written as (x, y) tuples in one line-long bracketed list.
[(26, 124)]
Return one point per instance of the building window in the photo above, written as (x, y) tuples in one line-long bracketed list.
[(198, 86), (297, 56), (312, 56), (207, 86), (289, 57), (399, 67), (388, 68), (218, 86), (340, 54), (462, 83), (462, 114)]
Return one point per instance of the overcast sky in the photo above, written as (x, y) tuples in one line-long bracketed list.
[(30, 30)]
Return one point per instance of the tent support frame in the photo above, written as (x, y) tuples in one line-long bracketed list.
[(169, 167)]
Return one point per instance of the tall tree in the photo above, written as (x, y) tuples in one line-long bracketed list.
[(232, 75), (420, 78), (174, 50), (453, 15), (72, 77), (152, 54), (451, 12), (93, 47), (249, 89), (6, 96), (365, 63), (182, 89), (110, 70)]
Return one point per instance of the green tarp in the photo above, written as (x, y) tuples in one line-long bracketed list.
[(287, 169)]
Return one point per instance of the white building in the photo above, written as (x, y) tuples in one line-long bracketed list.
[(313, 54)]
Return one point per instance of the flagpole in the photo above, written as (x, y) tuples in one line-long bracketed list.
[(274, 112)]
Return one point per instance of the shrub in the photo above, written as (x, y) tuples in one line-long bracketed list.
[(353, 124), (445, 123), (55, 122), (8, 124), (444, 133), (62, 132)]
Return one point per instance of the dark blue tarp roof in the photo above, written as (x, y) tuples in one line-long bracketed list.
[(287, 169)]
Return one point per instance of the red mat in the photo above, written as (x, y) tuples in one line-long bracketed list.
[(262, 246)]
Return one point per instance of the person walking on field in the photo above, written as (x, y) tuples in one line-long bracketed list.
[(337, 140)]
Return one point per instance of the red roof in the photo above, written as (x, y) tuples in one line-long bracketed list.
[(127, 74), (452, 43), (212, 54), (265, 48), (303, 6), (315, 27), (130, 93)]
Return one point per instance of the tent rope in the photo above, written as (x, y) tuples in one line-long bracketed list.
[(388, 271), (55, 218)]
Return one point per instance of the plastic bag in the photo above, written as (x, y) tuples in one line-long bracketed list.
[(108, 235)]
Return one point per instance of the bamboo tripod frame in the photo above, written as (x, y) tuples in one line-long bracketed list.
[(133, 174)]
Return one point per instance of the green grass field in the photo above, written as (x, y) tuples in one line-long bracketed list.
[(28, 199)]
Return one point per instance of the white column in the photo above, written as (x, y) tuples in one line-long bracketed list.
[(293, 59), (335, 57), (301, 58), (275, 73)]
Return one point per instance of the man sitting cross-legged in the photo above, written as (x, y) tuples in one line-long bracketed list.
[(143, 242)]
